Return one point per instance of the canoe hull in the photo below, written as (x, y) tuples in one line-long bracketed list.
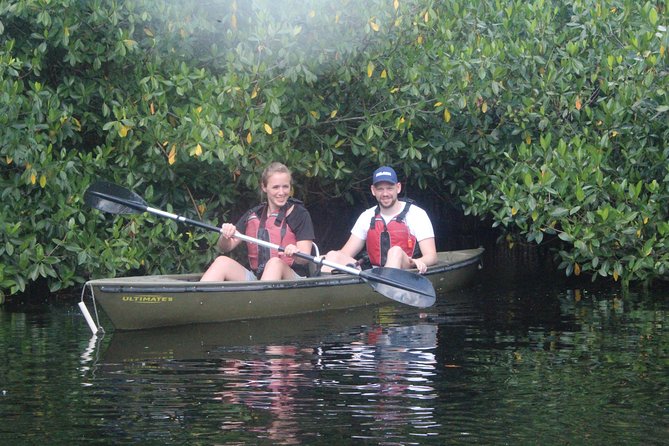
[(133, 303)]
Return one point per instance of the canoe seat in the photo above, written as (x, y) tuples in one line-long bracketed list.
[(314, 269)]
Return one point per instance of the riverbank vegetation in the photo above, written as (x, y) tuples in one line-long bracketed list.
[(546, 118)]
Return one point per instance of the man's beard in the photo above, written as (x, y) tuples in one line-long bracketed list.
[(392, 203)]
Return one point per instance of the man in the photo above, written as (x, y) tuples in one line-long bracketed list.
[(390, 230)]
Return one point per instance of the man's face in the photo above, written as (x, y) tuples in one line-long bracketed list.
[(386, 193)]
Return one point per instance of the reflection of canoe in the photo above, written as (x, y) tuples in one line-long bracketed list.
[(202, 341), (133, 303)]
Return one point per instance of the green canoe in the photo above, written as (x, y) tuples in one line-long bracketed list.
[(134, 303)]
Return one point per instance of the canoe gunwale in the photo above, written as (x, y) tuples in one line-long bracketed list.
[(220, 287), (172, 285)]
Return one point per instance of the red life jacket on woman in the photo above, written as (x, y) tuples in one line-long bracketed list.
[(273, 228), (381, 237)]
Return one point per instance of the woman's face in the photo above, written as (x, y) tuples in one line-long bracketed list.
[(277, 190)]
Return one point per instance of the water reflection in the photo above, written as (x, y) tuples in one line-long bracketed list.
[(375, 374), (272, 385), (389, 371)]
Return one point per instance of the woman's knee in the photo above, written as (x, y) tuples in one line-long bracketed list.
[(219, 269), (273, 262), (274, 266), (274, 269), (220, 261)]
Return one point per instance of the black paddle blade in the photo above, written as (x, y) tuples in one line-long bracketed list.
[(109, 197), (402, 286)]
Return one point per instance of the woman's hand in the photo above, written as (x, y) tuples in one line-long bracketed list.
[(227, 241), (228, 230), (290, 250)]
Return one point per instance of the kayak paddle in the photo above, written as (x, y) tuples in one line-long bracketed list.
[(399, 285)]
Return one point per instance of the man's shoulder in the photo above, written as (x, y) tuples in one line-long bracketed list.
[(417, 212), (368, 212), (415, 208), (362, 222)]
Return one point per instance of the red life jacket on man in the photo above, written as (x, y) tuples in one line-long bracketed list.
[(381, 237), (273, 228)]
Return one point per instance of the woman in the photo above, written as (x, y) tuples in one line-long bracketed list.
[(282, 220)]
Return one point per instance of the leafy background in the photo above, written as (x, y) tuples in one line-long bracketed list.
[(545, 119)]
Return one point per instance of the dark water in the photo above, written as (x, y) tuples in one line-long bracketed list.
[(498, 363)]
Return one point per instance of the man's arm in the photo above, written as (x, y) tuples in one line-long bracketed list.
[(428, 250), (353, 246), (346, 254)]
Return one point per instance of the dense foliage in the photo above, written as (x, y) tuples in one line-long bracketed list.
[(547, 117)]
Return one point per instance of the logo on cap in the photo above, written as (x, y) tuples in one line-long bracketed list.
[(384, 173)]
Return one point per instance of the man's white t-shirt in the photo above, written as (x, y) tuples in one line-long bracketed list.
[(417, 220)]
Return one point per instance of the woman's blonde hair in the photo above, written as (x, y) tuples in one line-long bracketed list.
[(273, 168)]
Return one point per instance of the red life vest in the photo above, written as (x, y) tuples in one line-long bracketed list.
[(381, 237), (273, 228)]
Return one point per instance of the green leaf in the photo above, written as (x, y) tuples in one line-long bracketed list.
[(527, 179), (559, 212), (564, 236)]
